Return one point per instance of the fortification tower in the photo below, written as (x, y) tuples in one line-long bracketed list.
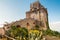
[(38, 12)]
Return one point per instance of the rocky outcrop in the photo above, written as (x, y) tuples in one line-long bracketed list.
[(2, 32), (47, 37)]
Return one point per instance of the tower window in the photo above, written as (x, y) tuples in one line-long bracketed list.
[(18, 26), (34, 23), (27, 24)]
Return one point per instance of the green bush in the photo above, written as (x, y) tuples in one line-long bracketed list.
[(17, 32), (51, 33)]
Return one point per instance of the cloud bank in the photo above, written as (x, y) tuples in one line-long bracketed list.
[(55, 26)]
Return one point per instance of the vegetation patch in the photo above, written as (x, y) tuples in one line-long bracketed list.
[(51, 33)]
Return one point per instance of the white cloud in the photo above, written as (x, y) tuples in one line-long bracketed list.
[(1, 25), (55, 26)]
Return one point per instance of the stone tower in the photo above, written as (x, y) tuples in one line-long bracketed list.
[(38, 12), (36, 16)]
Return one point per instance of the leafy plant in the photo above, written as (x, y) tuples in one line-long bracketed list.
[(17, 32)]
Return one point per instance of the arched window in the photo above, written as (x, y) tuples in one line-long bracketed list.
[(34, 23), (27, 24), (18, 26)]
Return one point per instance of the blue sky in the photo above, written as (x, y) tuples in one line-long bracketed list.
[(12, 10)]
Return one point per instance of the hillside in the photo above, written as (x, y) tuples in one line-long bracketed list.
[(51, 37)]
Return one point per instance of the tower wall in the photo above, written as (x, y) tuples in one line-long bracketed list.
[(39, 13)]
